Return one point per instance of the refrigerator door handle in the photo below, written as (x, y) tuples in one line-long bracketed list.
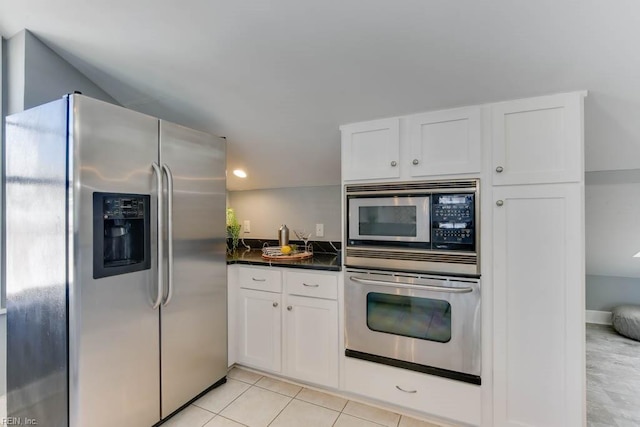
[(167, 170), (158, 174)]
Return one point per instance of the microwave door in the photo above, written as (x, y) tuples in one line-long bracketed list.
[(389, 219)]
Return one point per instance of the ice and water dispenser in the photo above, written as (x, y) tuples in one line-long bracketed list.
[(121, 234)]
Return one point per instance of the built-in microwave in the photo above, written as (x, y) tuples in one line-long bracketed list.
[(426, 226)]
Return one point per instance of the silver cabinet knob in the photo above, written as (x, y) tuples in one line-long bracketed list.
[(394, 163), (499, 169), (499, 203), (289, 308), (275, 304), (415, 161)]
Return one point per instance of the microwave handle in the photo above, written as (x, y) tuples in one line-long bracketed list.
[(409, 286)]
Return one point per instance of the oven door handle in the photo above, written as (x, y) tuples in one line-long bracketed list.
[(409, 286)]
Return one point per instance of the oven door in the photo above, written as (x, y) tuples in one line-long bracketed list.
[(427, 324), (399, 219)]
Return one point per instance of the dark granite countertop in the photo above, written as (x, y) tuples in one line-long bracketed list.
[(320, 260)]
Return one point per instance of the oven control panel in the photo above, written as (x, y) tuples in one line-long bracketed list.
[(453, 222)]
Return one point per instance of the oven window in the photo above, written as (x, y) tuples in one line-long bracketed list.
[(422, 318), (387, 221)]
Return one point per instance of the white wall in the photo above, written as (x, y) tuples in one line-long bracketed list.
[(15, 60), (48, 77), (612, 219), (604, 293), (612, 233), (37, 75), (298, 208)]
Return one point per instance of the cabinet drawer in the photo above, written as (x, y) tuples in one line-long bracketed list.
[(312, 285), (425, 393), (261, 279)]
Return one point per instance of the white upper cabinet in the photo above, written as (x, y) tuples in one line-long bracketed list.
[(422, 145), (445, 142), (371, 150), (538, 140)]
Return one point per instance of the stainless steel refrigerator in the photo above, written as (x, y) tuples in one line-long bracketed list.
[(115, 265)]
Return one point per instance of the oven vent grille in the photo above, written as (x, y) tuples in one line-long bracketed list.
[(471, 259), (421, 185)]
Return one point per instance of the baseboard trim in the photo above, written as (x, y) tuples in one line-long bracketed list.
[(598, 317)]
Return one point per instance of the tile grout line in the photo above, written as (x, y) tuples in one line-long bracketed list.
[(229, 419), (360, 418), (228, 404), (281, 394), (282, 410)]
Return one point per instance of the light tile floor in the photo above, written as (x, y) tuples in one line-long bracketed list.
[(253, 400)]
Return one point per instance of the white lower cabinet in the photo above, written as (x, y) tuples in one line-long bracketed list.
[(295, 333), (311, 340), (260, 334), (441, 397)]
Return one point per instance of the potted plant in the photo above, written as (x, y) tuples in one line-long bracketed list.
[(233, 229)]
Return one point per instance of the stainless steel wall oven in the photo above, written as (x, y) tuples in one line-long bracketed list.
[(428, 226), (425, 323), (412, 284)]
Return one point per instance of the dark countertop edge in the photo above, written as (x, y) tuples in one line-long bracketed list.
[(276, 264)]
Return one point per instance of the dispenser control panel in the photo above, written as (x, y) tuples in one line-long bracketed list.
[(115, 207)]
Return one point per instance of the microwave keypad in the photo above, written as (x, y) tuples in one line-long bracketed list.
[(453, 235), (452, 219)]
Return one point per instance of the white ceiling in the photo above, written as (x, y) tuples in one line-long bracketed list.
[(277, 77)]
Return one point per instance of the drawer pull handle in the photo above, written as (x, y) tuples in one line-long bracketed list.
[(310, 286), (289, 308), (406, 391), (258, 280), (275, 304)]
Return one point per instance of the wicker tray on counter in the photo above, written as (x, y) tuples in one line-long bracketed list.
[(275, 253)]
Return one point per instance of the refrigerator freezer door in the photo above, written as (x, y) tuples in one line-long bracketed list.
[(114, 331), (194, 317), (36, 278)]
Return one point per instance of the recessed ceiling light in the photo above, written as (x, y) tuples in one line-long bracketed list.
[(637, 255), (240, 173)]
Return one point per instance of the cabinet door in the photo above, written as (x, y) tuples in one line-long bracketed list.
[(260, 333), (538, 140), (371, 150), (445, 142), (538, 325), (311, 326)]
